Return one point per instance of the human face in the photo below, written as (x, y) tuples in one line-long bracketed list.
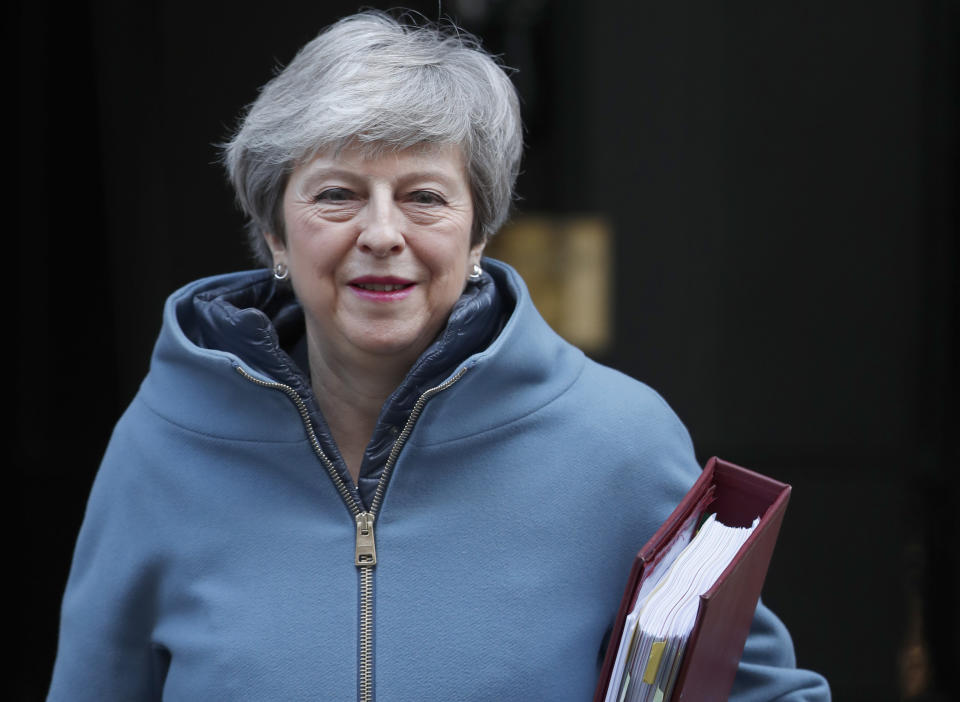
[(378, 249)]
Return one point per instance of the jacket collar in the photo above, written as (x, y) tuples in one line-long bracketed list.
[(261, 322), (526, 367), (193, 381)]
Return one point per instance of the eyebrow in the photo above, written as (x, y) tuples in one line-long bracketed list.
[(348, 175), (331, 172)]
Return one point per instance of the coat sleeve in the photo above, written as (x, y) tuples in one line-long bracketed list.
[(104, 650), (768, 669)]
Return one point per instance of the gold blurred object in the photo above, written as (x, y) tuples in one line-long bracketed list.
[(567, 265), (914, 656)]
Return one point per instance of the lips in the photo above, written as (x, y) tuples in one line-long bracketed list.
[(381, 287)]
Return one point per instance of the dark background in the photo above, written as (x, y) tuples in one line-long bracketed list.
[(781, 179)]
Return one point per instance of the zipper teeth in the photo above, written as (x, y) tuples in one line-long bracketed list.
[(404, 435), (366, 634), (366, 572), (365, 682), (311, 434)]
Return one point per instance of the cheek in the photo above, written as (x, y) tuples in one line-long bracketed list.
[(316, 250), (448, 252), (446, 259), (450, 278)]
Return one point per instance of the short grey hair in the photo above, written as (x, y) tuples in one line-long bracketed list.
[(382, 84)]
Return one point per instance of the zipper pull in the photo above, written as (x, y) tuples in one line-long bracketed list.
[(366, 546)]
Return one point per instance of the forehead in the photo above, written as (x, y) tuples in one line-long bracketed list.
[(378, 162)]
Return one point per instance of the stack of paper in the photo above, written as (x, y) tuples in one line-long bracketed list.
[(658, 627)]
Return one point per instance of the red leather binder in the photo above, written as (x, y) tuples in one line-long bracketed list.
[(737, 496)]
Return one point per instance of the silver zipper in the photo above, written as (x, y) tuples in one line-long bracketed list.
[(338, 481), (405, 434), (366, 548), (365, 681)]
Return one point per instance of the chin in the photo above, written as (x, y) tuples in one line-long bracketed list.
[(394, 345)]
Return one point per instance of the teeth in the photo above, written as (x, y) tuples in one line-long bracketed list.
[(380, 287)]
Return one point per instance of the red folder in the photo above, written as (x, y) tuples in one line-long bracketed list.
[(737, 496)]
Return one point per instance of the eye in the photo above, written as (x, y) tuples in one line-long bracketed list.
[(425, 197), (335, 195)]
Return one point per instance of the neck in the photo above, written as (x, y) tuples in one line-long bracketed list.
[(351, 393)]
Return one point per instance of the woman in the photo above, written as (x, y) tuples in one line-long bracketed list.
[(373, 470)]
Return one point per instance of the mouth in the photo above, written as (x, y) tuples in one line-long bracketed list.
[(381, 287)]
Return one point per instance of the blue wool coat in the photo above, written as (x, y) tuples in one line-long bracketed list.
[(218, 555)]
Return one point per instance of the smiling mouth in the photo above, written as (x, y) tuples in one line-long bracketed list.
[(382, 287)]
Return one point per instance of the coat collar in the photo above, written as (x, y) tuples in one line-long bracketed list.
[(515, 364), (260, 321)]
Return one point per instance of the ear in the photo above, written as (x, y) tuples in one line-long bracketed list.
[(277, 247), (476, 253)]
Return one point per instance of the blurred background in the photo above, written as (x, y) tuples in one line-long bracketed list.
[(751, 206)]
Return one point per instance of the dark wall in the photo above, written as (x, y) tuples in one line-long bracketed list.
[(782, 183)]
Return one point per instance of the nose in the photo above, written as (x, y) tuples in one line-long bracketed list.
[(381, 231)]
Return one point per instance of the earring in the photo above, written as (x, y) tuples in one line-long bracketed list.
[(280, 271), (475, 273)]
